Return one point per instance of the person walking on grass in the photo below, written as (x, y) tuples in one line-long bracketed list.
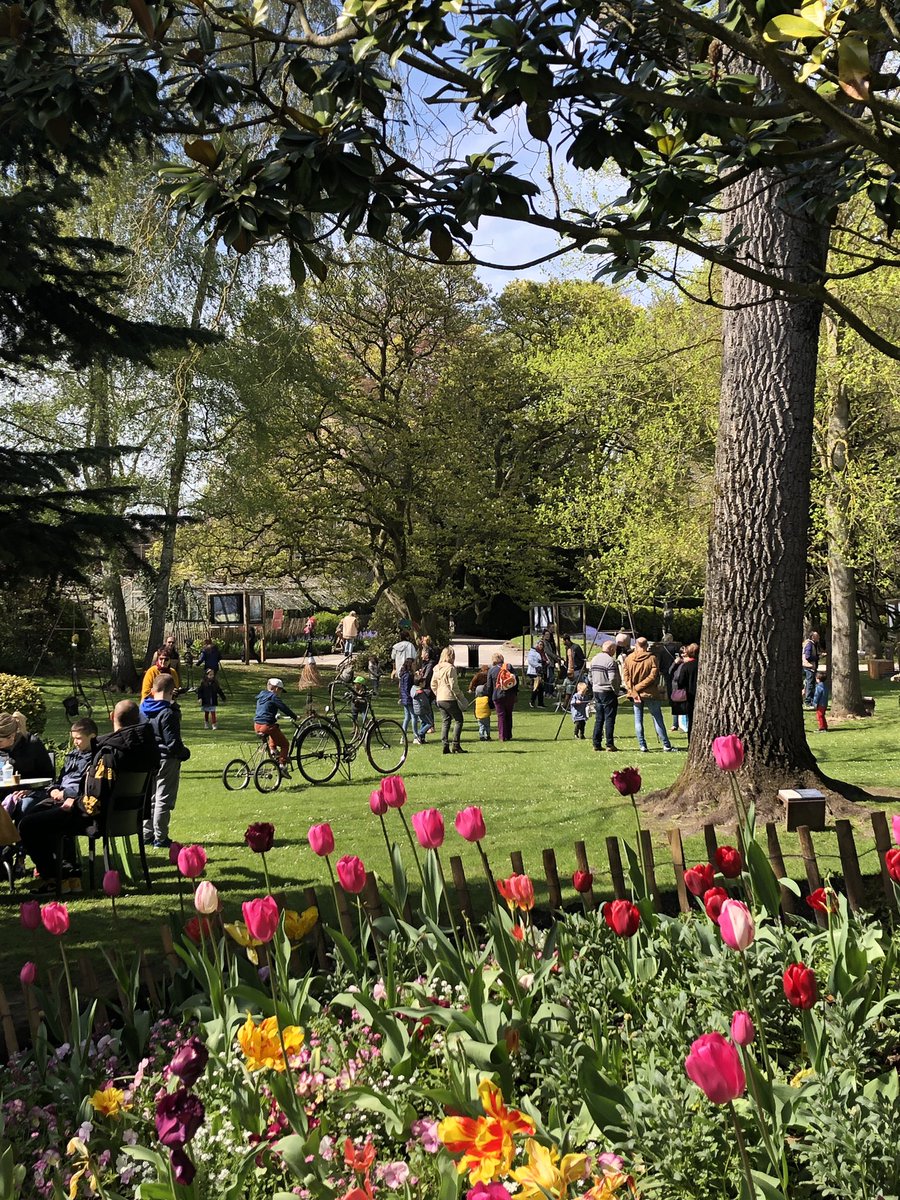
[(450, 699), (483, 713), (578, 708), (534, 669), (641, 677), (406, 678), (820, 700), (605, 681), (810, 667), (208, 693), (504, 683)]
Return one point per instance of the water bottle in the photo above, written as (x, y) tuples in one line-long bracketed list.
[(7, 773)]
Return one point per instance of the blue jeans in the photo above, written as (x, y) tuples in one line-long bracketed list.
[(809, 684), (654, 709), (607, 704), (409, 718)]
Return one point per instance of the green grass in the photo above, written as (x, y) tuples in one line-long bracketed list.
[(535, 792)]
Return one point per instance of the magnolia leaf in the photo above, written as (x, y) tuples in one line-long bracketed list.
[(202, 152), (441, 244), (260, 12), (144, 18), (853, 67), (789, 28), (814, 11)]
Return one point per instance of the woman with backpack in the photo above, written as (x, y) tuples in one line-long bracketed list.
[(450, 699), (504, 685)]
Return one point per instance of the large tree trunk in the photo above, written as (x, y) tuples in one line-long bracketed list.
[(123, 675), (750, 660), (843, 653)]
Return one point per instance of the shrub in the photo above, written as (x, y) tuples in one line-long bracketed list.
[(18, 694)]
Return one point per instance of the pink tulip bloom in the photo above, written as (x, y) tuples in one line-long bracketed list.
[(28, 974), (715, 1066), (55, 918), (736, 924), (30, 914), (321, 839), (394, 791), (429, 827), (174, 850), (377, 803), (470, 824), (261, 917), (742, 1029), (112, 884), (728, 752), (351, 874), (192, 861), (895, 826), (206, 898)]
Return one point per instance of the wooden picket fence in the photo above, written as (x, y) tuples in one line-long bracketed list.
[(23, 1011)]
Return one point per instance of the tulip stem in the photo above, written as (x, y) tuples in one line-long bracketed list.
[(763, 1048), (454, 931), (262, 855), (372, 930), (777, 1162), (412, 842), (745, 1161), (385, 832), (489, 876), (287, 1066)]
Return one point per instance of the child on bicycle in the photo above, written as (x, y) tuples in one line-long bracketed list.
[(265, 721), (359, 700)]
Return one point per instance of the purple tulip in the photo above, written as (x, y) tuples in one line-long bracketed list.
[(179, 1115), (183, 1170), (190, 1061)]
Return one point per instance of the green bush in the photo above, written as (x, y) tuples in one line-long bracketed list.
[(21, 695)]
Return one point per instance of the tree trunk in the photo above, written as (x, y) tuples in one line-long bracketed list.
[(123, 675), (843, 653), (870, 641), (750, 660), (183, 382)]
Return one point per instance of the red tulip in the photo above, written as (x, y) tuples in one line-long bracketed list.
[(698, 880), (260, 837), (892, 862), (191, 861), (728, 752), (112, 884), (261, 917), (30, 914), (28, 974), (736, 924), (55, 918), (517, 891), (627, 781), (800, 986), (470, 824), (377, 803), (429, 827), (821, 901), (622, 917), (742, 1029), (197, 928), (321, 839), (713, 901), (351, 874), (394, 791), (715, 1066), (728, 861), (582, 881)]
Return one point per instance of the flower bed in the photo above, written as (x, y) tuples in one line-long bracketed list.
[(619, 1054)]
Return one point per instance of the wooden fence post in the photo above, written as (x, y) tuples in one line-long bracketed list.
[(813, 877), (372, 897), (709, 836), (776, 858), (677, 848), (647, 855), (8, 1025), (345, 917), (581, 858), (883, 844), (551, 874), (517, 865), (463, 898), (850, 864), (615, 867)]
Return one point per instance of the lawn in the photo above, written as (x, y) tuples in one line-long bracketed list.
[(535, 791)]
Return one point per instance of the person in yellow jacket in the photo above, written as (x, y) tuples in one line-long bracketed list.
[(483, 713), (161, 666)]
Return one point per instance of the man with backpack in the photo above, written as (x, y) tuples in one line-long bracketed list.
[(606, 682)]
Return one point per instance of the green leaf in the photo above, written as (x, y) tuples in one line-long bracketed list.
[(788, 28), (765, 884)]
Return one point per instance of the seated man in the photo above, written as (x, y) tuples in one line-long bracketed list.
[(70, 784), (130, 747)]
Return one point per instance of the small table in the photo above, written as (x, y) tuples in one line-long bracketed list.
[(23, 785)]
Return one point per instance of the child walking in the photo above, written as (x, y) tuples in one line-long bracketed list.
[(423, 713), (208, 692), (578, 708), (483, 713), (820, 701)]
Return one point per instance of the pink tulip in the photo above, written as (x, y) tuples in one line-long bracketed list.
[(728, 752), (394, 791), (715, 1066), (377, 803), (895, 825), (112, 884), (55, 918), (470, 824), (736, 924), (191, 861), (321, 839), (174, 850), (206, 898), (30, 914), (742, 1029), (28, 974), (351, 874), (261, 918), (429, 827)]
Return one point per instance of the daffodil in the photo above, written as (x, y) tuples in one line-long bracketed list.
[(109, 1102), (545, 1176), (262, 1045), (486, 1143)]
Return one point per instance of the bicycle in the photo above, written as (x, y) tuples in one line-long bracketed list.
[(263, 766), (323, 748)]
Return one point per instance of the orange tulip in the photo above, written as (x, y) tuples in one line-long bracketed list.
[(486, 1143), (517, 891)]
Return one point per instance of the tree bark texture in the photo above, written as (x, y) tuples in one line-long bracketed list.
[(750, 657)]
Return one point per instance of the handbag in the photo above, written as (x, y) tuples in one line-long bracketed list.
[(679, 695)]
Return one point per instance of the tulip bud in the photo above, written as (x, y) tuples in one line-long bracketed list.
[(394, 791), (728, 861), (470, 824), (206, 898), (582, 881), (622, 917), (728, 752), (377, 803), (28, 974), (261, 917), (429, 827), (30, 914), (713, 901), (698, 880), (321, 839), (736, 925), (112, 884), (351, 874), (191, 861), (800, 988), (627, 782), (742, 1030)]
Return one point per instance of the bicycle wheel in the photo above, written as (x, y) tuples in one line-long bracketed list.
[(236, 775), (267, 776), (318, 753), (386, 746)]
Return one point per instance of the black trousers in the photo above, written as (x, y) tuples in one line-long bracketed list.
[(41, 829)]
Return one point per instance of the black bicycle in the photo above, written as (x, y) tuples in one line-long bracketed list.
[(262, 764), (323, 748)]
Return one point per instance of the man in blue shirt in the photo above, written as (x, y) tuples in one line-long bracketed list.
[(810, 666), (268, 705)]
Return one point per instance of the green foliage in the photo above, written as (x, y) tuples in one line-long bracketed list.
[(21, 695)]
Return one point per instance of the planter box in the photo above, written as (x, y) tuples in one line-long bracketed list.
[(880, 668), (803, 806)]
